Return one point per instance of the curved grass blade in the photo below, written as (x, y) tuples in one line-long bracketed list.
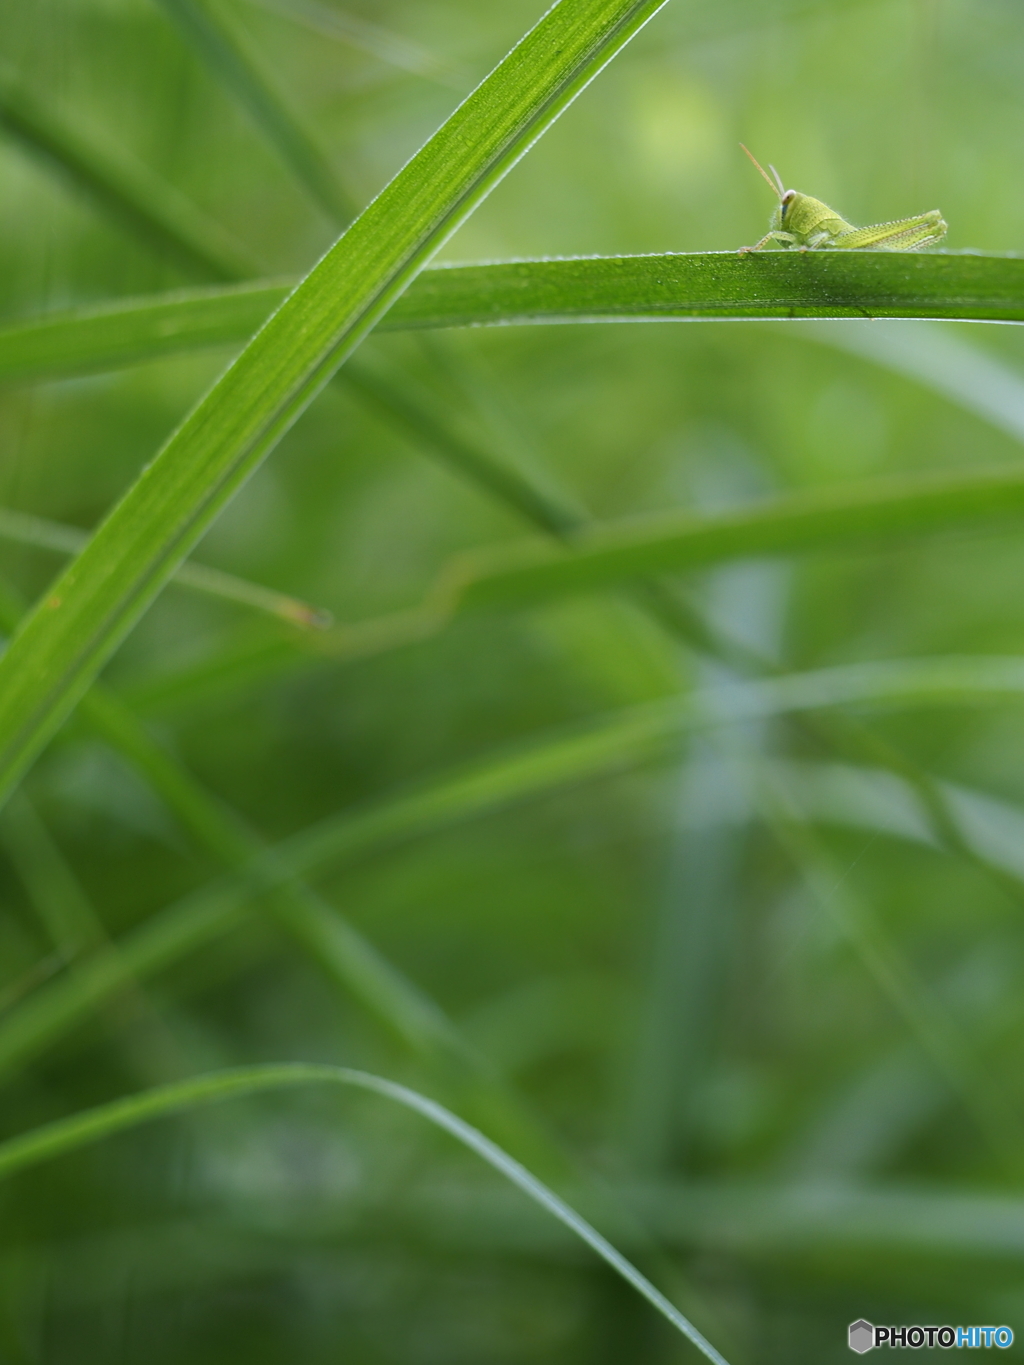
[(610, 555), (91, 1125), (25, 529), (123, 187), (80, 623), (214, 40)]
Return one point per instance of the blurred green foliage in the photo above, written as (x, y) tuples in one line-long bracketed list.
[(754, 1006)]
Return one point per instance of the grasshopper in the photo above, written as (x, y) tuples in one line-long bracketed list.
[(801, 223)]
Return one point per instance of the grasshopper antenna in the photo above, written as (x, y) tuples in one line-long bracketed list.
[(778, 179), (776, 189)]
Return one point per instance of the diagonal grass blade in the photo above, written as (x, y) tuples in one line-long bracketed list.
[(72, 633)]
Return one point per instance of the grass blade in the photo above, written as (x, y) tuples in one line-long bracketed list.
[(719, 284), (855, 514), (214, 40), (369, 38), (123, 187), (72, 633), (589, 289), (92, 1125), (617, 743), (71, 922), (25, 529), (92, 340), (961, 373)]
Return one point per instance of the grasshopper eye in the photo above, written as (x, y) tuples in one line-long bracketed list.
[(785, 202)]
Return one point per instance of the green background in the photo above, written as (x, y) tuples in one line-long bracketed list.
[(757, 1005)]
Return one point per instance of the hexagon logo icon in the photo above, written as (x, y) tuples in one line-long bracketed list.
[(862, 1336)]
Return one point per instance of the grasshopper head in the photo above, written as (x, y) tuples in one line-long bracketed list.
[(786, 199)]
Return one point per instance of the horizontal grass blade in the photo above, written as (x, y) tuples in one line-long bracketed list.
[(93, 340), (862, 513), (720, 284), (92, 1125), (80, 623), (587, 289)]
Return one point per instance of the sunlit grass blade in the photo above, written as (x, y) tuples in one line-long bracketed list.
[(123, 187), (215, 40), (92, 607), (91, 1125), (26, 529), (861, 513)]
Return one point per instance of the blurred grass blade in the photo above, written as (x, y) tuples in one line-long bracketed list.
[(933, 356), (929, 1022), (861, 513), (130, 331), (80, 623), (369, 38), (123, 187), (71, 923), (25, 529), (213, 38), (408, 408), (617, 743), (91, 1125)]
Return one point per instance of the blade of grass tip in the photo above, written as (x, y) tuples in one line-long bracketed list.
[(144, 203), (90, 609), (936, 1034), (378, 42), (255, 661), (26, 529), (91, 1125), (212, 36)]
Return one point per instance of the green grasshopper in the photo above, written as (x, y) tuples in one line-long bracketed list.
[(801, 223)]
